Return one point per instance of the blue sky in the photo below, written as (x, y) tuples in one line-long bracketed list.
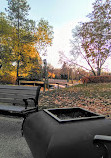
[(57, 12), (63, 15)]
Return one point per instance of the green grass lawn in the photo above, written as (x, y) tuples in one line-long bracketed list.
[(94, 97)]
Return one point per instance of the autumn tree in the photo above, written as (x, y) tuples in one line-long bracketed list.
[(27, 40), (64, 71), (22, 42), (5, 40), (6, 56), (92, 39), (17, 13), (57, 72), (30, 61), (44, 36), (50, 70)]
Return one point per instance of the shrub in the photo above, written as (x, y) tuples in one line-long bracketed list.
[(96, 79), (8, 78)]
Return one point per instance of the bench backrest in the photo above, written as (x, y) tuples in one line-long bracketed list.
[(16, 94)]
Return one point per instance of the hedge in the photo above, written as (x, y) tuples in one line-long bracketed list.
[(96, 79)]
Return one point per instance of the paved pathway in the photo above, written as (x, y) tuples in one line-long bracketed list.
[(12, 144)]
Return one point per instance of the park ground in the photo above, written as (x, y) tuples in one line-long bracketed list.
[(93, 97)]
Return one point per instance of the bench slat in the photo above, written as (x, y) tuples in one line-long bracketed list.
[(10, 108), (15, 91), (16, 101), (18, 96), (17, 87)]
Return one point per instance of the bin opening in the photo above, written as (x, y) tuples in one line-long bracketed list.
[(72, 114)]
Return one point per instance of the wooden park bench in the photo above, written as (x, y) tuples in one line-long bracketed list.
[(18, 100)]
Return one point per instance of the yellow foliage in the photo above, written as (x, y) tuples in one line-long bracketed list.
[(13, 77), (51, 75), (9, 77), (29, 50)]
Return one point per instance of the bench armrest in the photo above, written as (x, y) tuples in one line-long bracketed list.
[(34, 99), (26, 102)]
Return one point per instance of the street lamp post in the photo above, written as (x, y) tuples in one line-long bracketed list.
[(46, 84)]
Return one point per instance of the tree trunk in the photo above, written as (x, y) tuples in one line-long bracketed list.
[(18, 49), (98, 71), (98, 68), (18, 72), (94, 72)]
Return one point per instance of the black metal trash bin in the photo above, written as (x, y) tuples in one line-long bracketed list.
[(68, 133)]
